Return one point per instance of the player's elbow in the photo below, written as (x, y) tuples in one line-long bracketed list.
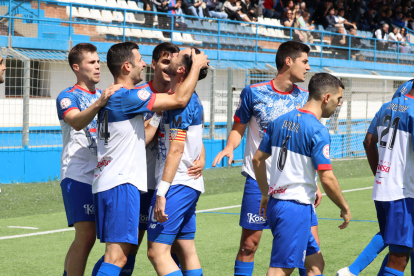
[(180, 103), (256, 162)]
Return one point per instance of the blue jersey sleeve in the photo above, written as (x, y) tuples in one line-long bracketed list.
[(373, 126), (66, 102), (320, 150), (148, 115), (266, 143), (137, 101), (182, 118), (403, 89), (244, 110)]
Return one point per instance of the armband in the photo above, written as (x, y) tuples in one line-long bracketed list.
[(163, 188)]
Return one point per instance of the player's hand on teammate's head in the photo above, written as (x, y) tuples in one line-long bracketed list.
[(226, 152), (346, 215), (107, 93), (199, 60), (263, 206), (159, 209)]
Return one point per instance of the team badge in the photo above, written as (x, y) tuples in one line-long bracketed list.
[(65, 103), (174, 133), (239, 105), (143, 94), (326, 151)]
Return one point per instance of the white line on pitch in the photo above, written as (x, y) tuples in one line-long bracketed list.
[(200, 211), (23, 227), (36, 234)]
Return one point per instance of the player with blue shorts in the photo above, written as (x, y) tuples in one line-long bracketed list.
[(172, 209), (299, 144), (259, 105), (376, 245), (77, 107), (121, 171)]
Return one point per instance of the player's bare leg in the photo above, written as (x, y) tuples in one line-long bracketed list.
[(117, 253), (314, 264), (187, 254), (85, 236), (249, 243), (159, 255), (314, 230), (277, 271)]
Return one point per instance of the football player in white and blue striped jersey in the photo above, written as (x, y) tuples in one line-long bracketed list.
[(299, 144)]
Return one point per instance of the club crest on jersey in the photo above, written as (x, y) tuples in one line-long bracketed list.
[(143, 94), (174, 133), (239, 105), (65, 103), (326, 151)]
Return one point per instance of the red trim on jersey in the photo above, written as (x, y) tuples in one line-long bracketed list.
[(152, 87), (259, 84), (151, 101), (409, 96), (301, 88), (307, 111), (72, 108), (280, 92), (92, 130), (84, 90), (236, 119), (324, 167), (141, 86)]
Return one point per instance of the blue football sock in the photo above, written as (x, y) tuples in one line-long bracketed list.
[(176, 260), (370, 252), (302, 271), (98, 266), (243, 268), (392, 272), (64, 273), (193, 272), (129, 266), (175, 273), (384, 264), (108, 270)]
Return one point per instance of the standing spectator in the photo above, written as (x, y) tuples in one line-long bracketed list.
[(269, 9), (303, 7), (382, 35), (330, 23), (302, 23), (321, 12), (354, 13), (396, 37), (212, 6), (247, 8), (233, 10)]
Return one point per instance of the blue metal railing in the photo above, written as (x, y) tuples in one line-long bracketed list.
[(219, 37)]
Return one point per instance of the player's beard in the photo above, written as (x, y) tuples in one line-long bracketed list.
[(170, 71)]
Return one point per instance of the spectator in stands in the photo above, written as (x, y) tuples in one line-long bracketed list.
[(196, 9), (149, 18), (405, 38), (330, 22), (247, 8), (185, 7), (396, 37), (163, 20), (382, 35), (257, 7), (354, 13), (212, 6), (303, 7), (302, 23), (321, 12), (409, 17), (400, 20), (289, 6), (289, 20), (342, 40), (341, 18), (233, 9), (179, 23), (269, 9), (369, 23)]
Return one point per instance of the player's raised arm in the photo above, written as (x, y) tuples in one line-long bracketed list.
[(151, 127), (80, 119), (193, 64)]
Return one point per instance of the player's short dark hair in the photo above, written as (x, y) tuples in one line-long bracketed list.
[(166, 47), (118, 54), (292, 49), (321, 83), (187, 62), (76, 56)]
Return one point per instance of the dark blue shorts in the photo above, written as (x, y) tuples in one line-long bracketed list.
[(145, 203), (78, 201), (180, 206), (290, 223), (395, 220), (117, 214), (249, 214)]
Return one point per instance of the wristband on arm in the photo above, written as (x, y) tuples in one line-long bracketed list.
[(155, 120), (163, 188)]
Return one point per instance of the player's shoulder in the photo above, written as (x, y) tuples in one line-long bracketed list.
[(143, 86), (257, 86), (300, 89)]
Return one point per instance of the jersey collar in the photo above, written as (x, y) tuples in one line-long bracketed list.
[(409, 96), (306, 111), (280, 92), (84, 90)]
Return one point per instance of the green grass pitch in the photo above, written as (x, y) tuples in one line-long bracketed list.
[(218, 233)]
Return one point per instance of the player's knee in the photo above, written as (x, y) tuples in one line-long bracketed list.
[(86, 239), (152, 255), (248, 247)]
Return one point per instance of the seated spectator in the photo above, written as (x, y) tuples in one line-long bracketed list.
[(247, 8), (400, 20), (345, 23), (410, 20), (289, 6), (303, 7), (302, 23), (368, 20), (330, 23), (149, 18), (211, 6), (289, 20), (341, 40), (321, 12), (196, 9), (395, 36), (163, 6), (185, 7), (405, 38), (382, 35), (269, 9), (354, 14), (179, 23), (257, 7), (233, 11)]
